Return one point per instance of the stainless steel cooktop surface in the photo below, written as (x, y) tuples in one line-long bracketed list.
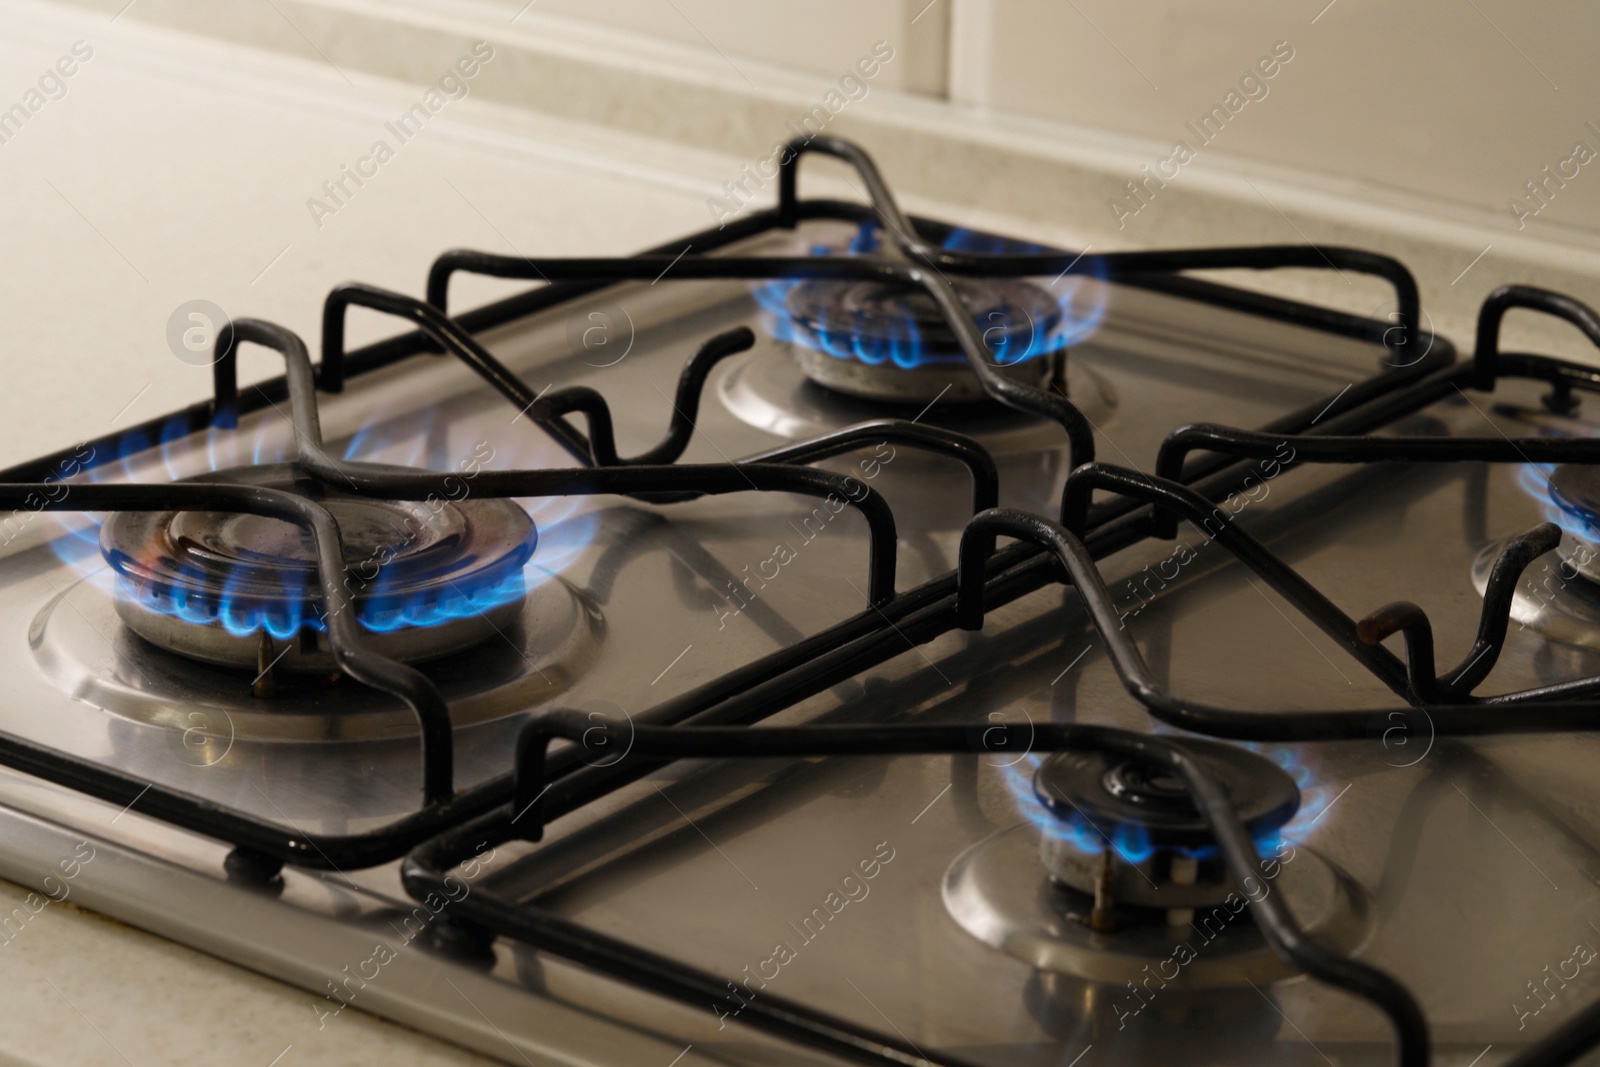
[(937, 898)]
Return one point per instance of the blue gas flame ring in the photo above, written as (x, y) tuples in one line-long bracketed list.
[(1100, 800), (426, 577), (1116, 825), (881, 324), (1573, 493), (1570, 493)]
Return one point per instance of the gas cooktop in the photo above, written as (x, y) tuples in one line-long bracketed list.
[(844, 636)]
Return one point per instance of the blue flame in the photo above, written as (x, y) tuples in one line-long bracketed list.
[(1081, 300), (988, 244), (1132, 841), (1077, 830), (412, 440), (281, 616), (1081, 297), (172, 435), (388, 614), (565, 529), (243, 611), (1315, 797), (132, 443), (222, 449), (79, 546), (1534, 479)]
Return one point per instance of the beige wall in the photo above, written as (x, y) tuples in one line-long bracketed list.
[(1455, 102), (819, 37)]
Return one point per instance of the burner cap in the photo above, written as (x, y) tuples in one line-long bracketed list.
[(1113, 795), (428, 577), (883, 341)]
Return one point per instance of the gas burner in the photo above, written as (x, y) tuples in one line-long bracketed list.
[(889, 343), (429, 578), (1133, 878), (991, 890), (1559, 593), (1555, 597), (1575, 490), (880, 341), (1131, 837)]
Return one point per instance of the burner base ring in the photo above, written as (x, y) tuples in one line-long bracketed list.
[(992, 893), (1553, 597), (547, 648)]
